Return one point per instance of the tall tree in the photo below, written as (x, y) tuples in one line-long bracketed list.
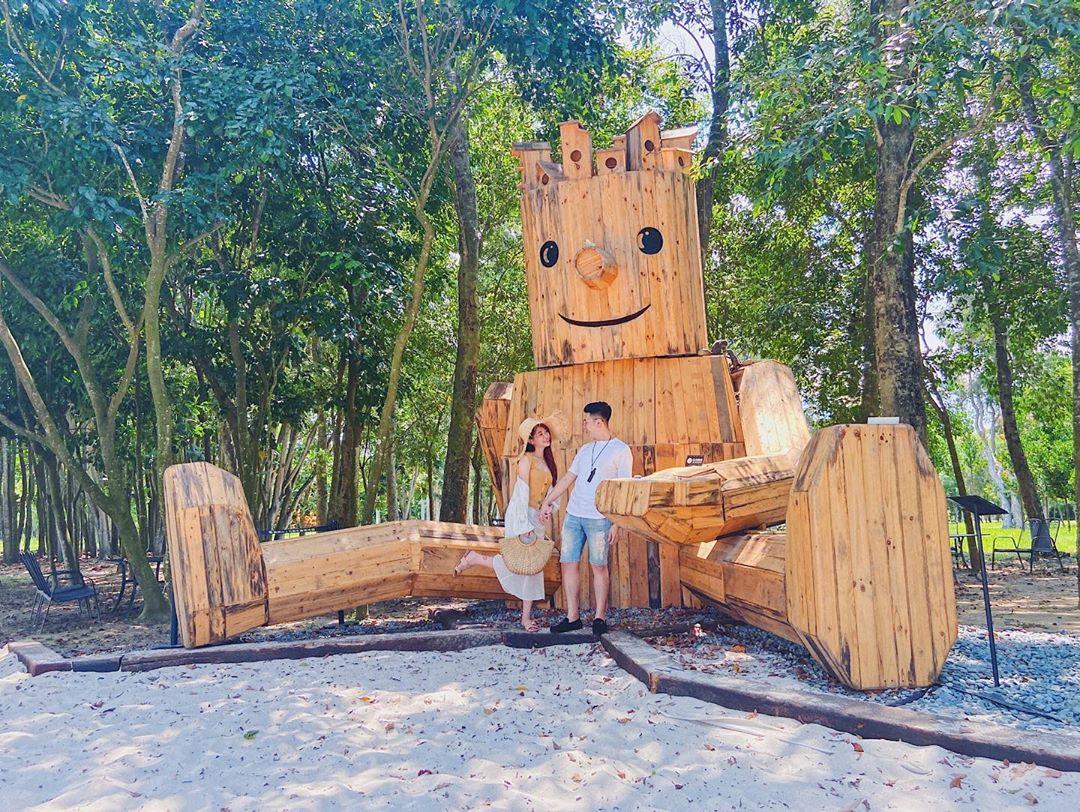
[(463, 406)]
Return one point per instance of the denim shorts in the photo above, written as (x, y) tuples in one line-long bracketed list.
[(575, 532)]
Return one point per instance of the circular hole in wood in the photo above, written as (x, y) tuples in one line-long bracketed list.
[(544, 180), (611, 163), (650, 240), (575, 156), (549, 253), (682, 161), (649, 145)]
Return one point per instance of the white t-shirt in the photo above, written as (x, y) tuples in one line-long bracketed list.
[(611, 458)]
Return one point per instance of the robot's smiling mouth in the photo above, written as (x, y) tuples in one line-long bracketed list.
[(604, 322)]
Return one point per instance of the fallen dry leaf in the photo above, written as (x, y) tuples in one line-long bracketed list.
[(858, 748), (957, 781)]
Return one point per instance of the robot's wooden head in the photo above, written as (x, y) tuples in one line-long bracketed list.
[(612, 252)]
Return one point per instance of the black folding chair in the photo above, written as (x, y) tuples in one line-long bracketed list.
[(1043, 542), (80, 591)]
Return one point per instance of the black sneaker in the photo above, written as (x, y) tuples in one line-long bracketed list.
[(599, 627), (566, 625)]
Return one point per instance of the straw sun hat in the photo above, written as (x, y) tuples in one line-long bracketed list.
[(555, 422)]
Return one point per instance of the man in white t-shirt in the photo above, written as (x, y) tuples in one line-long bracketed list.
[(605, 457)]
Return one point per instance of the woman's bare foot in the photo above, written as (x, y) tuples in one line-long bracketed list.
[(528, 624), (464, 563)]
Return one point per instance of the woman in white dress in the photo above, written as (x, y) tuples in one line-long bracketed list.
[(536, 473)]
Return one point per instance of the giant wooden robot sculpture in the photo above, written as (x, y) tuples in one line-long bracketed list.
[(861, 575)]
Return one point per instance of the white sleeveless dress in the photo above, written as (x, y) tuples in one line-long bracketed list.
[(520, 518)]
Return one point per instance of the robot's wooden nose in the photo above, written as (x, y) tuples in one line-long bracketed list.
[(595, 266)]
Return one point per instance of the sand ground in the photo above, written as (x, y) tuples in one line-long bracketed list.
[(488, 728)]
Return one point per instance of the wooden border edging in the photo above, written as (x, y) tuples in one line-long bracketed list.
[(866, 719), (38, 659), (301, 649)]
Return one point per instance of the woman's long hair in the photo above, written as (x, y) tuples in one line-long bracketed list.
[(549, 457)]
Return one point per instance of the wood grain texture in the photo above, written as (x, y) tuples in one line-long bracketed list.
[(227, 583), (867, 586), (771, 411), (689, 505), (219, 582), (492, 424), (650, 302)]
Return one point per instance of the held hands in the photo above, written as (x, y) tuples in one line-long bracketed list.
[(545, 513), (614, 535)]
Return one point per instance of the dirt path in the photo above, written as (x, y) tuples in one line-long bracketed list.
[(1044, 601)]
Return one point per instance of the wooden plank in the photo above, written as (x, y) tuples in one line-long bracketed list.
[(576, 150), (868, 634), (896, 567), (918, 587), (771, 410), (643, 141)]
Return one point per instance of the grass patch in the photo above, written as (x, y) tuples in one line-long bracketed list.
[(1066, 537)]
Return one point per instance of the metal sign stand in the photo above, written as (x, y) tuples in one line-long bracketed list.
[(977, 507)]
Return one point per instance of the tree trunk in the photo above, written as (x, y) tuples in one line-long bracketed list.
[(478, 467), (416, 294), (163, 416), (891, 281), (64, 543), (321, 491), (717, 142), (392, 490), (7, 501), (430, 488), (941, 409), (459, 439), (343, 495), (1065, 221), (1025, 482)]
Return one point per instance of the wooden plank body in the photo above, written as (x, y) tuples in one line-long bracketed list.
[(219, 584), (492, 422), (649, 301), (648, 399), (688, 505), (227, 583), (868, 572)]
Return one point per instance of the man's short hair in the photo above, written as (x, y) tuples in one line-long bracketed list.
[(599, 409)]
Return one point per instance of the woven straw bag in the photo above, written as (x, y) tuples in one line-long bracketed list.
[(526, 557)]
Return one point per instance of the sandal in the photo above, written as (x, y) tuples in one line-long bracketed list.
[(462, 565), (532, 628)]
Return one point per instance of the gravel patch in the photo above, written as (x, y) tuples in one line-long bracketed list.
[(1040, 674)]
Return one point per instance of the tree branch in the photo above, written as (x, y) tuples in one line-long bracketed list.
[(22, 430), (933, 155), (110, 283)]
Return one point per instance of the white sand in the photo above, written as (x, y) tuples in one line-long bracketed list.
[(549, 729)]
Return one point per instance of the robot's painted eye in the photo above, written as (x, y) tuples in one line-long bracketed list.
[(549, 253), (650, 240)]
